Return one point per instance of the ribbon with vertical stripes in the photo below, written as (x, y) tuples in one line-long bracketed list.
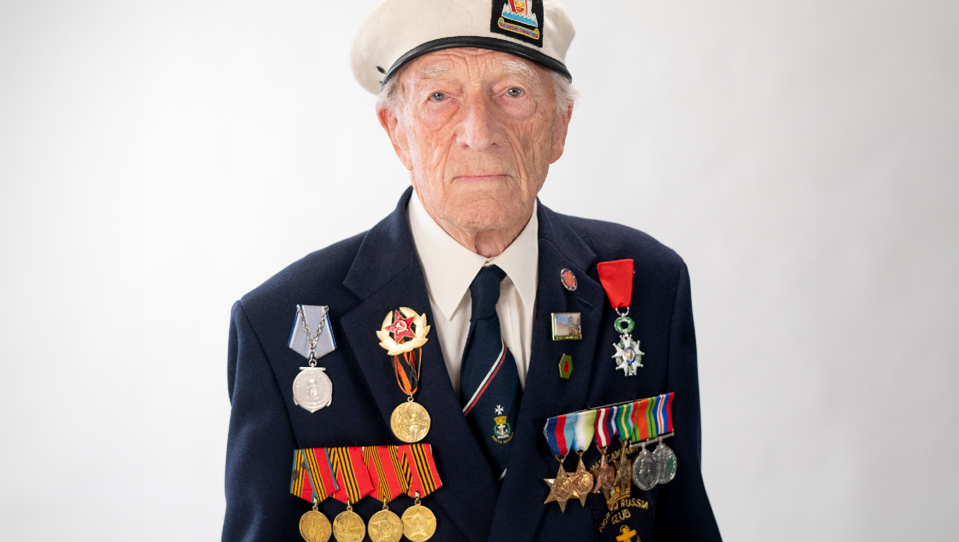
[(352, 478), (584, 428), (386, 473), (312, 475), (624, 421), (419, 468), (555, 431), (603, 428)]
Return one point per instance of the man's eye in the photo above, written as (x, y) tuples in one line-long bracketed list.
[(438, 96), (514, 92)]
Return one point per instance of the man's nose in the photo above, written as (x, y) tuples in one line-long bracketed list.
[(478, 128)]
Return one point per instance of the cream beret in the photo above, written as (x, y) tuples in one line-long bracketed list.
[(398, 31)]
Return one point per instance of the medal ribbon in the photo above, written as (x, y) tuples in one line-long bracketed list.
[(617, 280), (642, 416), (555, 431), (352, 478), (624, 421), (601, 428), (407, 368), (663, 414), (300, 484), (585, 425), (383, 465), (418, 466)]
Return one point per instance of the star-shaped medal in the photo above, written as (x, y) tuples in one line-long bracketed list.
[(401, 327), (582, 482), (604, 474), (628, 356), (624, 469), (559, 489)]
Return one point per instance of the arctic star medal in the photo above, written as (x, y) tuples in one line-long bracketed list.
[(402, 335), (312, 388), (561, 488), (617, 279)]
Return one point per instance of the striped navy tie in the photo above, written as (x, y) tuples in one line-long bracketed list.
[(489, 383)]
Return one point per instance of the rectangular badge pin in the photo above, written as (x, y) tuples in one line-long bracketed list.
[(314, 315), (566, 326)]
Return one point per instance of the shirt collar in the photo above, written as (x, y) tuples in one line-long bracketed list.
[(449, 267)]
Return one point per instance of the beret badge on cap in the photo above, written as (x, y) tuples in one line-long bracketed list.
[(398, 31)]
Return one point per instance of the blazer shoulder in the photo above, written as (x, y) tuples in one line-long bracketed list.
[(319, 273), (611, 241)]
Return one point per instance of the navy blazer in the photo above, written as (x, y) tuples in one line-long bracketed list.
[(365, 277)]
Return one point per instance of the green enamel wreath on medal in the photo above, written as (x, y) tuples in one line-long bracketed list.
[(617, 280)]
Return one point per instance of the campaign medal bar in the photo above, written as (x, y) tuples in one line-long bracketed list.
[(561, 487), (352, 484), (617, 279), (313, 481), (403, 334), (312, 388), (389, 482), (653, 423)]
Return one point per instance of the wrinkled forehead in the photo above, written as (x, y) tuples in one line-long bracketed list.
[(470, 64)]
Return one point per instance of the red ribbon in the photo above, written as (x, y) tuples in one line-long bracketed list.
[(386, 472), (420, 468), (617, 280), (352, 478)]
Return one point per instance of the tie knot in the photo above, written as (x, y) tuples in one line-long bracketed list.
[(484, 291)]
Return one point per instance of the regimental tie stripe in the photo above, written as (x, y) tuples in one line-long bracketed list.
[(300, 483), (321, 474), (486, 380), (424, 478)]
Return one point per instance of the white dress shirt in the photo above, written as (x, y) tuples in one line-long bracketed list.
[(449, 269)]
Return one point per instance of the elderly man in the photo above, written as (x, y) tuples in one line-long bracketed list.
[(441, 363)]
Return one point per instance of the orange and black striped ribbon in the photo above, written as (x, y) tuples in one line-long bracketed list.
[(312, 475), (300, 484), (419, 466), (383, 464), (407, 368), (352, 478)]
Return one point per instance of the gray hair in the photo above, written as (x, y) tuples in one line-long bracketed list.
[(563, 89)]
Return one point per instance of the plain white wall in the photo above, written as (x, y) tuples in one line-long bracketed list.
[(160, 159)]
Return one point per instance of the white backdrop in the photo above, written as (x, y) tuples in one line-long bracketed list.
[(160, 159)]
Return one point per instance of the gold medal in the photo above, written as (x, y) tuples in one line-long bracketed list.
[(410, 421), (419, 523), (314, 527), (385, 526), (349, 527), (560, 488), (403, 334), (582, 482)]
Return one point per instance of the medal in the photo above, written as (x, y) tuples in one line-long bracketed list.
[(646, 470), (352, 484), (383, 465), (605, 473), (666, 458), (402, 334), (419, 523), (312, 388), (561, 487), (313, 481), (653, 422), (617, 279), (583, 426)]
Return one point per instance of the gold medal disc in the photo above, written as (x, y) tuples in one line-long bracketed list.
[(385, 526), (419, 523), (349, 527), (314, 527), (410, 422)]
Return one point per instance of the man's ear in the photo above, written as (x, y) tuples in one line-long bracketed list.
[(560, 127), (397, 134)]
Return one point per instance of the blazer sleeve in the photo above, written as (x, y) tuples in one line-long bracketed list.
[(683, 512), (260, 445)]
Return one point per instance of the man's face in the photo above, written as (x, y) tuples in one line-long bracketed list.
[(478, 130)]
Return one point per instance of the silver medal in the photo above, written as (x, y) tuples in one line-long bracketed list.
[(666, 457), (646, 470), (312, 389)]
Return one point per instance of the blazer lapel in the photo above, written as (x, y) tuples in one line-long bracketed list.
[(387, 275), (520, 507)]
